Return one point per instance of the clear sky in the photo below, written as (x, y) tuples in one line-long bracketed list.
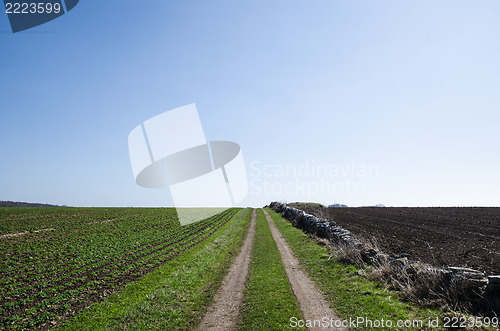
[(355, 102)]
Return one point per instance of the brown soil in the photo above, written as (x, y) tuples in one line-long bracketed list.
[(453, 236), (223, 313), (312, 303)]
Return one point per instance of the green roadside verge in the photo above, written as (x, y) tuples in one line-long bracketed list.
[(174, 296), (362, 304), (268, 302)]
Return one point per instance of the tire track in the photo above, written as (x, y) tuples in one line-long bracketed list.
[(223, 313), (312, 303)]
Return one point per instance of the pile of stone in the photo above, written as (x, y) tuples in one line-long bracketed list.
[(471, 288), (315, 225)]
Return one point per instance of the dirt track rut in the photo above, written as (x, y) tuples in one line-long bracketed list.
[(312, 303), (223, 313)]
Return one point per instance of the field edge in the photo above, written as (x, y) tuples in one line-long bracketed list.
[(147, 302)]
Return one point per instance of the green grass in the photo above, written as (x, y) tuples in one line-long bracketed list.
[(269, 302), (350, 294), (174, 296)]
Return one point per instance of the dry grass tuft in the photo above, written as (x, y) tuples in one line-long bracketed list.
[(417, 282)]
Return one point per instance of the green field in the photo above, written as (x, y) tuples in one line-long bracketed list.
[(61, 260), (175, 295)]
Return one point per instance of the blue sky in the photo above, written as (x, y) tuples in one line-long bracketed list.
[(397, 99)]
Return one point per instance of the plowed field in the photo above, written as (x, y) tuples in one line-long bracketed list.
[(442, 236)]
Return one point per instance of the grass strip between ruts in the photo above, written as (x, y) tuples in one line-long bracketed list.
[(269, 302)]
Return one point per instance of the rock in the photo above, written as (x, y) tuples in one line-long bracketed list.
[(494, 279), (400, 256), (467, 272), (399, 263), (462, 270), (419, 268)]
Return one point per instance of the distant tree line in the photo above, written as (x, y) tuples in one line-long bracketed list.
[(24, 204)]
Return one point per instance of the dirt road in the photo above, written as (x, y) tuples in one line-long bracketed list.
[(223, 313)]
